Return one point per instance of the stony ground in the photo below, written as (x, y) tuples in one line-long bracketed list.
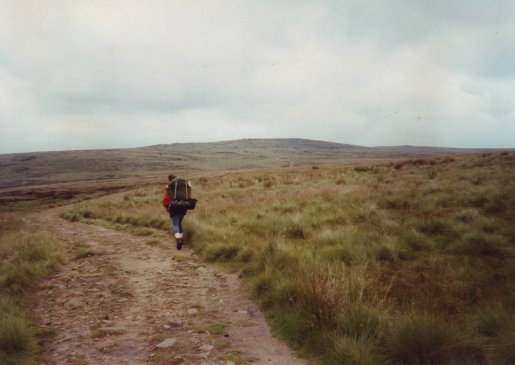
[(122, 299)]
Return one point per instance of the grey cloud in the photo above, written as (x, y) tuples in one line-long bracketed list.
[(379, 72), (405, 22), (479, 34)]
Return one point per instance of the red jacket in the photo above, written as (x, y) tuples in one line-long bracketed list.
[(166, 199)]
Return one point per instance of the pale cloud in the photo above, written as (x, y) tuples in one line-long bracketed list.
[(92, 74)]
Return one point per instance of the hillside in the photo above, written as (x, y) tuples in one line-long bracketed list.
[(39, 168)]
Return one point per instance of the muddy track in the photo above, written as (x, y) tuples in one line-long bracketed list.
[(119, 300)]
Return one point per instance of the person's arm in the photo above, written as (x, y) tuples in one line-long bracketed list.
[(166, 199)]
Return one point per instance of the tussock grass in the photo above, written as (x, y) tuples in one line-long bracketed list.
[(370, 264), (353, 351), (494, 321), (418, 339), (16, 336), (25, 257), (359, 321), (497, 325)]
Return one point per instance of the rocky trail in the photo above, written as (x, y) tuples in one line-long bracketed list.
[(121, 299)]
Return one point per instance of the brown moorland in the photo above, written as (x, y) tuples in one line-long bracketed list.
[(28, 180)]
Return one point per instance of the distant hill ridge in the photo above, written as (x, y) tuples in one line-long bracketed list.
[(25, 169)]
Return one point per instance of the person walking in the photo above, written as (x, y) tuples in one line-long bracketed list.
[(177, 192)]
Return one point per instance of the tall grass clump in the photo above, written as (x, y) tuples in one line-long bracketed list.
[(16, 336), (25, 257), (359, 321), (381, 263), (497, 326), (418, 339), (353, 351)]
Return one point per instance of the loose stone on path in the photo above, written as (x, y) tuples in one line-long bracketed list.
[(169, 342)]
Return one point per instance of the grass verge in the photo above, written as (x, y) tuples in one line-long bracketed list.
[(25, 257)]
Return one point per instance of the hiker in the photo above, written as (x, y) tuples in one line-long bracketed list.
[(177, 200)]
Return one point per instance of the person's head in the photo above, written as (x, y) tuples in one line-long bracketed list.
[(171, 177)]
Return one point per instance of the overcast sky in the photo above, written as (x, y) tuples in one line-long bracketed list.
[(103, 74)]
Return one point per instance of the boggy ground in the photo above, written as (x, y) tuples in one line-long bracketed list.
[(122, 299)]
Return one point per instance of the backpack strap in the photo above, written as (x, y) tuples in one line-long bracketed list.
[(175, 191)]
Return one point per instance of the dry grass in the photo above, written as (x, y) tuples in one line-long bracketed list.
[(380, 263)]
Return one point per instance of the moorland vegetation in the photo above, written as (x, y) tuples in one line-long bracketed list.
[(20, 171), (407, 262), (26, 256)]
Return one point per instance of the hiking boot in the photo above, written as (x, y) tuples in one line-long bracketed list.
[(179, 243)]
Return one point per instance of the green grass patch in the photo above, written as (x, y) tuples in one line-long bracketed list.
[(84, 252), (237, 357), (215, 329)]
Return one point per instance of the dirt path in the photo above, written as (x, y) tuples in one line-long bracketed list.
[(129, 302)]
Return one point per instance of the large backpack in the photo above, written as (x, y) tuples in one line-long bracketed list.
[(179, 189)]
